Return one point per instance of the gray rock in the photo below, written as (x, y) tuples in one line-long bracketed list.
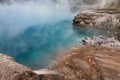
[(102, 19), (102, 41)]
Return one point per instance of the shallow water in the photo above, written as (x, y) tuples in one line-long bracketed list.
[(34, 34)]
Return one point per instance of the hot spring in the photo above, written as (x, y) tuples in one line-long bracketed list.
[(34, 33)]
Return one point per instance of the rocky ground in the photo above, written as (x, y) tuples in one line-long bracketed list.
[(80, 63), (11, 70), (107, 20), (90, 63), (102, 41)]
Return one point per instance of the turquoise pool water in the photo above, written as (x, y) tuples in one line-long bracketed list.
[(34, 34)]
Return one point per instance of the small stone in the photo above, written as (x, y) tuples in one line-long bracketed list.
[(118, 75), (82, 23)]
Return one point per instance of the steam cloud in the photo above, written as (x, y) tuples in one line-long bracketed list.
[(19, 16)]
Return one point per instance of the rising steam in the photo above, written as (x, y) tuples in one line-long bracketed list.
[(19, 15), (30, 30)]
